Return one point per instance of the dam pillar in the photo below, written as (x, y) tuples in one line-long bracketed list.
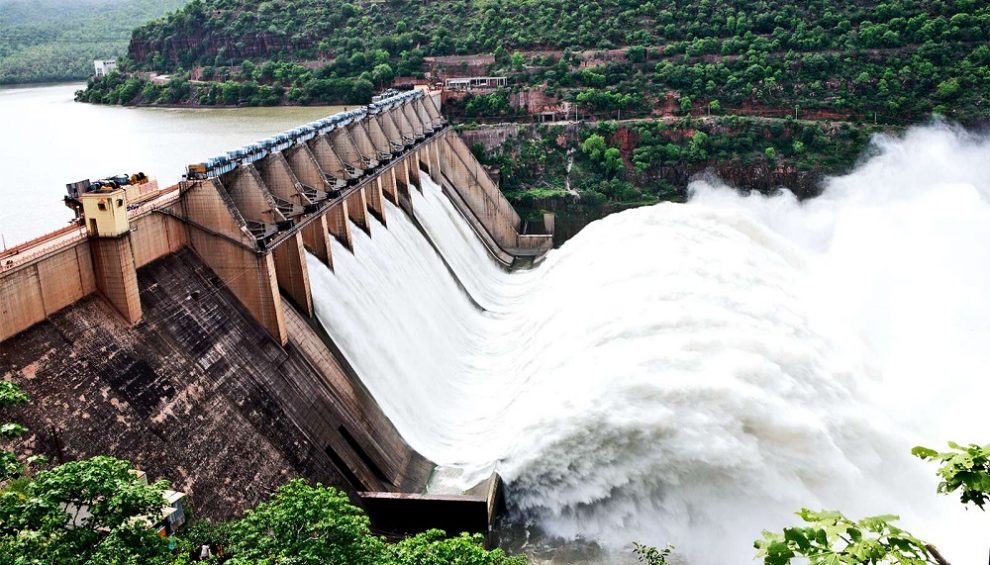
[(218, 235), (412, 170), (433, 150), (403, 126), (387, 179), (327, 158), (433, 111), (424, 118), (338, 224), (316, 239), (292, 274), (393, 135), (423, 159), (304, 166), (409, 112), (376, 205), (357, 210), (378, 137), (343, 145), (105, 215), (362, 142), (401, 179)]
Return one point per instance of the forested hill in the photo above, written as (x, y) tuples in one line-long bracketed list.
[(218, 32), (52, 40)]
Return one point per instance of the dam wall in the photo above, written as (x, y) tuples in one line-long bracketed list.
[(200, 394), (61, 272), (177, 329)]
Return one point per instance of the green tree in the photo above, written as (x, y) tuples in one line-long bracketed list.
[(517, 61), (612, 161), (305, 525), (964, 469), (382, 74), (10, 395), (650, 555), (594, 147), (78, 510), (829, 538), (770, 153), (433, 547)]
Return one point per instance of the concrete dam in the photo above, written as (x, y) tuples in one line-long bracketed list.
[(177, 328)]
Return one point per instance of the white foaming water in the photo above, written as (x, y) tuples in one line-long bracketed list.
[(695, 373)]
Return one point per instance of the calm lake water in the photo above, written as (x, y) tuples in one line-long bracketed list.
[(49, 140)]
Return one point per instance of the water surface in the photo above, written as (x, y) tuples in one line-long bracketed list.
[(49, 140)]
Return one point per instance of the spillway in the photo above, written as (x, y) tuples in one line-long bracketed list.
[(694, 373)]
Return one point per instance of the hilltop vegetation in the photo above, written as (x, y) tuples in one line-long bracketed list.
[(53, 40), (895, 61)]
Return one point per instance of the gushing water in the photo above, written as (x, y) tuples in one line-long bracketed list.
[(696, 373)]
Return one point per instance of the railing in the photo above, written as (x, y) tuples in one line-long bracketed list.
[(66, 238), (15, 250)]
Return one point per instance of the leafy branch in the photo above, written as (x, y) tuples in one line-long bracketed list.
[(965, 469), (832, 539)]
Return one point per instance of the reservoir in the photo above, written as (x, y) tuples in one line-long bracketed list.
[(49, 140)]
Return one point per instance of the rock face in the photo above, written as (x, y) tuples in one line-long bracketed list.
[(180, 49), (196, 393)]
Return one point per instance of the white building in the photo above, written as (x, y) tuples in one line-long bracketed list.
[(104, 67)]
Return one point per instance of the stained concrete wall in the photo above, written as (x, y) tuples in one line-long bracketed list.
[(36, 290), (154, 236), (200, 394), (31, 292)]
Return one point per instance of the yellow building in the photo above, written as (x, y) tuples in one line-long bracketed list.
[(105, 212)]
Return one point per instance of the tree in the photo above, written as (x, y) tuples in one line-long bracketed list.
[(594, 147), (517, 61), (965, 469), (81, 509), (501, 55), (10, 395), (305, 525), (433, 547), (636, 54), (651, 555), (714, 107), (770, 153), (832, 539), (247, 70), (382, 74), (685, 103), (612, 162)]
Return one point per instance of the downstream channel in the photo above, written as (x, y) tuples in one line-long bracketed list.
[(694, 373)]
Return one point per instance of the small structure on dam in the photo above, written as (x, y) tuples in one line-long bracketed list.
[(174, 327)]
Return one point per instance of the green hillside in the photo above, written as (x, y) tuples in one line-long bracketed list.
[(893, 62), (53, 40)]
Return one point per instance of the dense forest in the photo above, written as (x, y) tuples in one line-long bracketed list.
[(54, 40), (890, 62)]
